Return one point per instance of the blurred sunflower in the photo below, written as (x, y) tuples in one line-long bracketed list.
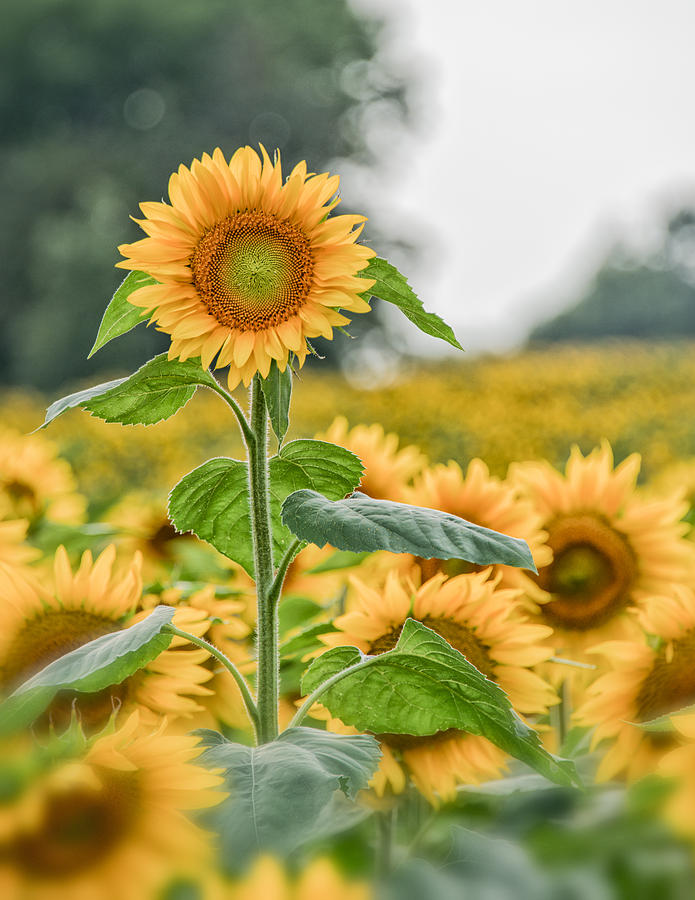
[(679, 765), (268, 880), (34, 481), (37, 625), (649, 677), (677, 478), (249, 267), (14, 551), (109, 824), (388, 470), (484, 623), (612, 548), (488, 501)]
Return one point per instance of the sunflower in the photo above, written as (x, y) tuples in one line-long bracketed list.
[(649, 676), (248, 267), (612, 548), (34, 481), (269, 880), (38, 625), (679, 765), (388, 469), (217, 620), (14, 551), (485, 500), (483, 622), (110, 824)]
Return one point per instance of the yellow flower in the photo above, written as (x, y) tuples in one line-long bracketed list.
[(38, 625), (387, 469), (35, 482), (679, 765), (648, 677), (612, 548), (110, 824), (481, 621), (13, 550), (248, 267), (268, 880), (488, 501)]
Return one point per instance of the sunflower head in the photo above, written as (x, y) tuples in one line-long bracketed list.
[(249, 267)]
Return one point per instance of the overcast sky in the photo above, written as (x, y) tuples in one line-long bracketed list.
[(545, 129)]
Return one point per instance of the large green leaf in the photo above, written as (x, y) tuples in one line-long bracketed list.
[(277, 390), (155, 392), (424, 686), (279, 791), (212, 501), (108, 660), (121, 316), (361, 524), (393, 287)]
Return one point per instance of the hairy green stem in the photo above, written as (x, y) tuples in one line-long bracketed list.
[(268, 677), (246, 695), (329, 682), (249, 436), (285, 563)]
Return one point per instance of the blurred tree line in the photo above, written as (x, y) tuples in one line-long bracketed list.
[(650, 297), (101, 102)]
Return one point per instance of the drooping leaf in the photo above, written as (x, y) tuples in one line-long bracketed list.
[(212, 501), (277, 390), (278, 791), (121, 316), (108, 660), (155, 392), (361, 524), (393, 287), (424, 686)]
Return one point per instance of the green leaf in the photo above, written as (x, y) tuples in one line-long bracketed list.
[(424, 686), (212, 501), (279, 790), (277, 390), (361, 524), (155, 392), (663, 724), (305, 641), (393, 287), (107, 660), (121, 316)]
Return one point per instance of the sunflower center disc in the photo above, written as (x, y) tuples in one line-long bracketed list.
[(462, 639), (45, 638), (591, 575), (80, 826), (671, 683), (253, 270)]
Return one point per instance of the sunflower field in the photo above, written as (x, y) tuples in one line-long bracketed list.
[(287, 637)]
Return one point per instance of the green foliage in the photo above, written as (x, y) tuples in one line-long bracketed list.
[(361, 524), (277, 390), (212, 501), (424, 686), (281, 790), (393, 287), (154, 393), (120, 316), (108, 660)]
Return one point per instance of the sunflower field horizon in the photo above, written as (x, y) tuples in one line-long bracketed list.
[(331, 665)]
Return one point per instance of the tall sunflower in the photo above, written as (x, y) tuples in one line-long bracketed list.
[(612, 548), (486, 500), (649, 677), (388, 469), (483, 622), (38, 625), (248, 266), (109, 824)]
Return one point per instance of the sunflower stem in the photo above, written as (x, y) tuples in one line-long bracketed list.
[(261, 534), (246, 695), (248, 435), (385, 825), (281, 573)]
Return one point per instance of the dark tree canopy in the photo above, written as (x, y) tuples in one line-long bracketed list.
[(648, 298), (102, 100)]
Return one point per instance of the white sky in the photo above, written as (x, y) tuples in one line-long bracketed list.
[(546, 129)]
